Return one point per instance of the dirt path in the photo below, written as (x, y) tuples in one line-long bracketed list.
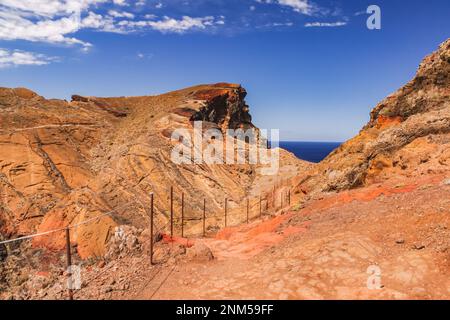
[(397, 240)]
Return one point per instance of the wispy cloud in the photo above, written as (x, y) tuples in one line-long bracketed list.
[(60, 21), (169, 25), (301, 6), (325, 24), (141, 55), (359, 13), (122, 14), (49, 8), (305, 7), (12, 58), (57, 21), (14, 26)]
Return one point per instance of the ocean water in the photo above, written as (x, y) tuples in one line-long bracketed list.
[(310, 151)]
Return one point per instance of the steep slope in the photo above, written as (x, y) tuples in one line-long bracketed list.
[(408, 135), (369, 222), (62, 163)]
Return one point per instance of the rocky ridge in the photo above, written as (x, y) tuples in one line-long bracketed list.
[(379, 202), (408, 134), (63, 163)]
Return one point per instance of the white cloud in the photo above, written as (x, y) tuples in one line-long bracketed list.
[(57, 21), (50, 21), (123, 14), (49, 8), (99, 22), (300, 6), (326, 24), (141, 55), (121, 2), (180, 26), (12, 58), (15, 27), (281, 24), (359, 13), (276, 25), (171, 25)]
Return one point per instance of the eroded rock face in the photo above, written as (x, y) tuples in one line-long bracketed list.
[(408, 134), (62, 163), (234, 116)]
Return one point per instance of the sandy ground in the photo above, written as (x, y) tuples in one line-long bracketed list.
[(383, 242)]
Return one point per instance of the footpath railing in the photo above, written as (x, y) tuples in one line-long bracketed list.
[(67, 232), (198, 221)]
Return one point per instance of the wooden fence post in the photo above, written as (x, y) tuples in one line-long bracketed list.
[(69, 264), (171, 212), (248, 210), (151, 227), (274, 203), (226, 208), (204, 217), (182, 215), (260, 206)]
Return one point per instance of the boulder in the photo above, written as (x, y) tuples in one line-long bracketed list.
[(199, 252)]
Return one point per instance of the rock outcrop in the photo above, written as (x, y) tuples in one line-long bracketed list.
[(408, 134), (377, 206), (62, 163)]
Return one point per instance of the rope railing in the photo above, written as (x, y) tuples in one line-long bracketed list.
[(70, 227), (244, 210), (68, 242)]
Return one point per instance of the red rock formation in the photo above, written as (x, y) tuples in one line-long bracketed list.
[(408, 134), (64, 162)]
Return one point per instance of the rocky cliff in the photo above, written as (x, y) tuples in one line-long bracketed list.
[(369, 222), (408, 135), (65, 162)]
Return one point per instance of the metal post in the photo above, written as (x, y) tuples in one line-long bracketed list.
[(260, 206), (274, 203), (171, 212), (69, 264), (248, 210), (182, 215), (151, 227), (226, 203), (204, 217)]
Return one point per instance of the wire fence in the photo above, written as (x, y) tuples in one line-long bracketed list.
[(189, 222), (195, 221)]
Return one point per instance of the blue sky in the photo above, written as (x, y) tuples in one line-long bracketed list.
[(312, 68)]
